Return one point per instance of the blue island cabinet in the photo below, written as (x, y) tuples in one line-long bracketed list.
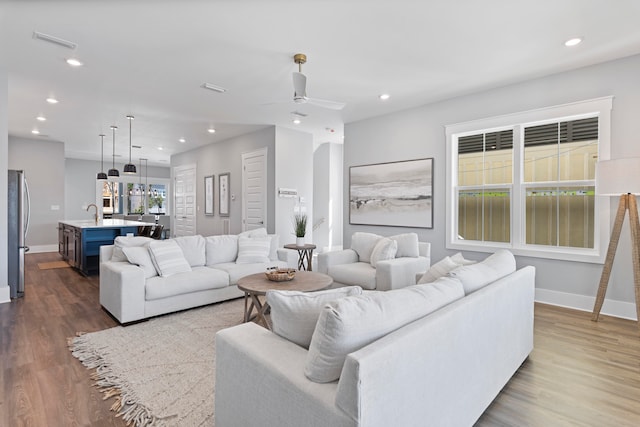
[(80, 241)]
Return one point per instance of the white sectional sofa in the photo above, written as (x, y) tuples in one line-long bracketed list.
[(185, 272), (442, 369), (377, 262)]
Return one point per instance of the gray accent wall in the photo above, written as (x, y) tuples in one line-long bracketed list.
[(44, 167), (419, 132), (222, 157)]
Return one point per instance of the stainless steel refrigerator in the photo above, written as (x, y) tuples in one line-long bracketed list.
[(18, 216)]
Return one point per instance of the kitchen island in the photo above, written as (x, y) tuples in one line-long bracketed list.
[(79, 241)]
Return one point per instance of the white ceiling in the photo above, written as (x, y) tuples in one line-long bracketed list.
[(149, 58)]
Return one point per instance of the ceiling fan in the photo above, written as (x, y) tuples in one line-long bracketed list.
[(300, 88)]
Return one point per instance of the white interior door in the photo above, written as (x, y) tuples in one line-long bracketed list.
[(254, 189), (184, 221)]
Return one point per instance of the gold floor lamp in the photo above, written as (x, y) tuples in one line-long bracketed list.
[(620, 177)]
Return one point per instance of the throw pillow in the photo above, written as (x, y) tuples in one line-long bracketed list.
[(139, 255), (439, 269), (407, 245), (193, 248), (126, 241), (363, 244), (460, 260), (383, 250), (253, 249), (221, 249), (168, 258), (348, 324), (494, 267), (294, 314)]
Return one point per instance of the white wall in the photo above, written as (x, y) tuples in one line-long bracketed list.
[(327, 196), (222, 157), (4, 166), (293, 169), (419, 132), (43, 164)]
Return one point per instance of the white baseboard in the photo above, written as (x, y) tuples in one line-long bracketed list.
[(5, 294), (42, 248), (624, 310)]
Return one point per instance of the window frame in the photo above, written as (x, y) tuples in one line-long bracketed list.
[(600, 107)]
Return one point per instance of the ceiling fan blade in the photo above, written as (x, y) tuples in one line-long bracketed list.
[(299, 85), (332, 105)]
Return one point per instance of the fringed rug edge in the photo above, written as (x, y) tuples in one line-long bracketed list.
[(126, 404)]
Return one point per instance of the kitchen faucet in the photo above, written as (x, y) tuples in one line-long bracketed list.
[(96, 215)]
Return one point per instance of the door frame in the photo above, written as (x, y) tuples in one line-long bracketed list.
[(174, 169), (264, 152)]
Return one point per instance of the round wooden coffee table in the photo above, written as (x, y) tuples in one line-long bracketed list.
[(256, 285)]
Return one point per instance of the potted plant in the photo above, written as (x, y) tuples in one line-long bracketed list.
[(300, 227)]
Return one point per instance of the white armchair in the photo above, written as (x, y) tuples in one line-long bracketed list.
[(363, 266)]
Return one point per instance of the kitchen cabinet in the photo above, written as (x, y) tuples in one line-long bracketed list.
[(79, 241)]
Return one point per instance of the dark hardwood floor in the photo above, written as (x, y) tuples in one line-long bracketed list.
[(42, 384), (581, 373)]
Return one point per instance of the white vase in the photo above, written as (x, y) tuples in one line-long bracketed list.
[(299, 241)]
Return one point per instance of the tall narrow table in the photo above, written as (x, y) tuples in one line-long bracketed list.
[(256, 285), (305, 254)]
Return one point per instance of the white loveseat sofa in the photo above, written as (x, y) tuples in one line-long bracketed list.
[(442, 369), (377, 262), (135, 285)]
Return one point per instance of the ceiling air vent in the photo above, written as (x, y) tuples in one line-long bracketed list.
[(55, 40)]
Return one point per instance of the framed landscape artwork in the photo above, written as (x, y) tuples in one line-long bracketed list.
[(223, 192), (208, 195), (392, 194)]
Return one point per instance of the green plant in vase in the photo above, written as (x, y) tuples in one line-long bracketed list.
[(300, 227)]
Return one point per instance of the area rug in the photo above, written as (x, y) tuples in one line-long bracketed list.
[(160, 372), (52, 265)]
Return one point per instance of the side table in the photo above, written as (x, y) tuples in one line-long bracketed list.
[(305, 254)]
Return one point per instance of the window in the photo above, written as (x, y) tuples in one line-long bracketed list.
[(527, 182)]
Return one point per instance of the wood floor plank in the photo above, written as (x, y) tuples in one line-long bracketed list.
[(581, 373)]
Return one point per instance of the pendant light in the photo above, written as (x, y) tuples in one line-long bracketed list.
[(101, 175), (113, 171), (130, 168)]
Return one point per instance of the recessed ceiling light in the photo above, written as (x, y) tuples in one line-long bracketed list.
[(573, 42), (384, 96), (296, 121), (35, 132), (52, 100), (74, 62), (211, 130), (160, 148), (41, 118), (182, 140)]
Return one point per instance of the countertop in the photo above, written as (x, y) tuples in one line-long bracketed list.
[(103, 223)]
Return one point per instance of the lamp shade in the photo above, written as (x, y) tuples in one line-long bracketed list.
[(618, 176)]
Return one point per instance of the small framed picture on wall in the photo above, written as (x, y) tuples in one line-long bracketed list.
[(223, 193), (208, 195)]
